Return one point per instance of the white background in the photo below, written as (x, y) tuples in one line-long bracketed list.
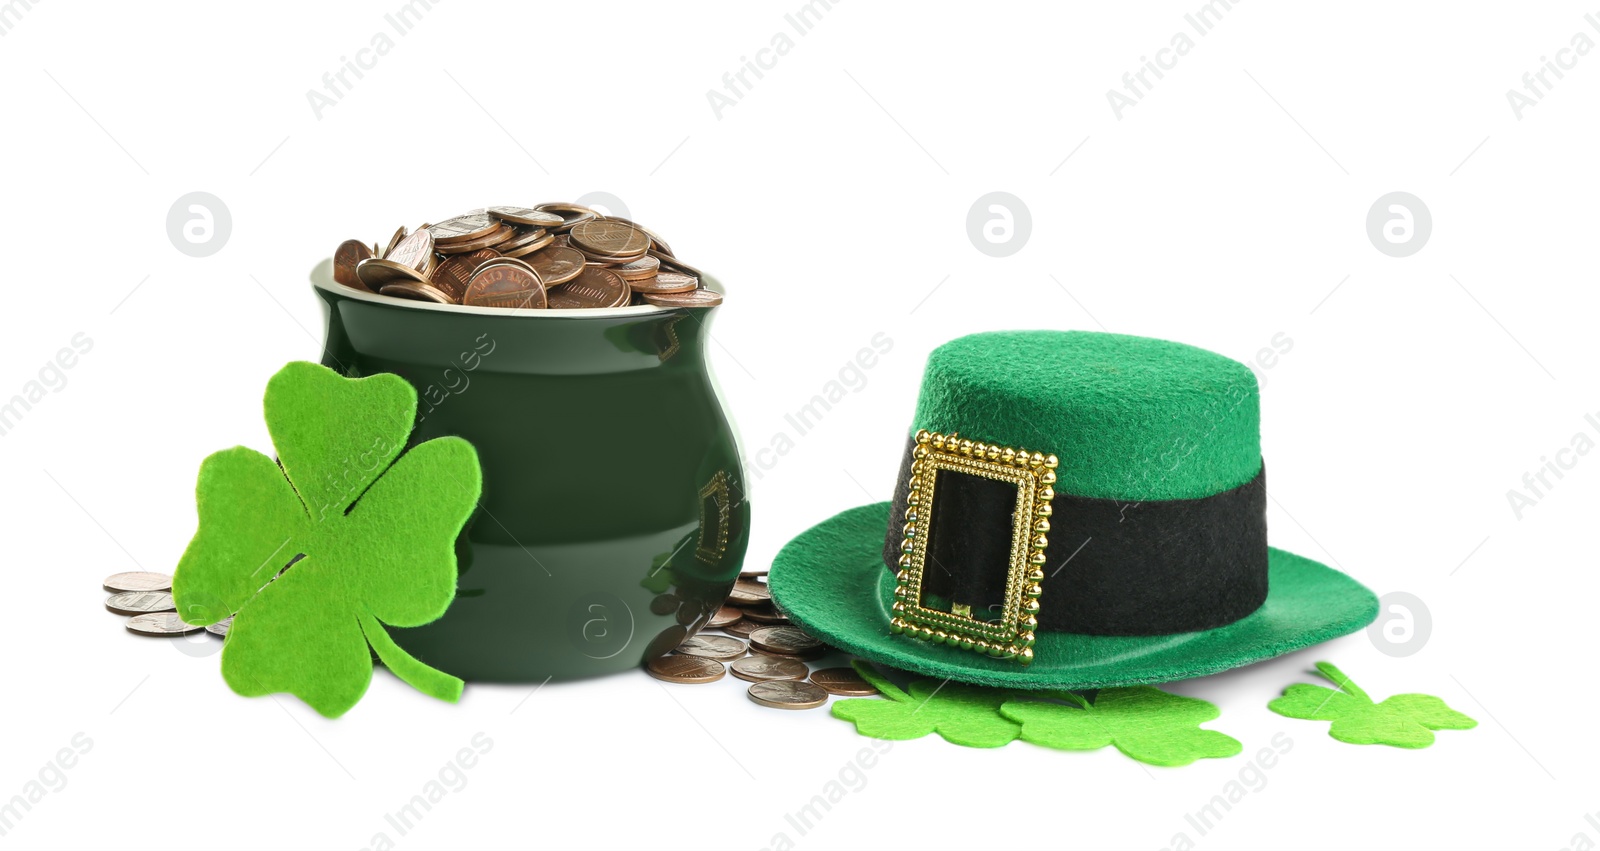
[(1225, 208)]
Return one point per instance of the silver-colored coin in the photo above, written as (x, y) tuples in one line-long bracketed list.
[(140, 602), (138, 580), (161, 624), (221, 627)]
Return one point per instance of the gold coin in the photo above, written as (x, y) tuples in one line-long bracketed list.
[(345, 257), (526, 216), (713, 647), (788, 694), (843, 681), (784, 640), (378, 273), (594, 287), (760, 669), (748, 592), (693, 298), (161, 624), (686, 669), (137, 580), (556, 265), (503, 285), (609, 238), (417, 291)]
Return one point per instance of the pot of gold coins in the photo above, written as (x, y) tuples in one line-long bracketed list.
[(570, 348)]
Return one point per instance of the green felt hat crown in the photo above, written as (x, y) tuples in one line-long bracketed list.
[(1099, 521), (1130, 418)]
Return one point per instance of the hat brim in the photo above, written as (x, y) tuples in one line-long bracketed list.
[(831, 581)]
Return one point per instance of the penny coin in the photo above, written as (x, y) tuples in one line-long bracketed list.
[(378, 273), (417, 291), (741, 628), (766, 616), (220, 628), (464, 227), (557, 265), (692, 298), (760, 669), (594, 287), (664, 604), (713, 647), (571, 214), (785, 640), (138, 580), (788, 694), (526, 216), (522, 237), (161, 623), (652, 285), (505, 286), (509, 261), (748, 592), (345, 257), (610, 238), (139, 602), (545, 239), (724, 616), (666, 282), (638, 270), (415, 250), (494, 237), (454, 272), (752, 574), (393, 241), (686, 669), (843, 681), (656, 241)]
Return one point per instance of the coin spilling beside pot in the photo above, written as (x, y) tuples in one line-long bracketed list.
[(553, 256)]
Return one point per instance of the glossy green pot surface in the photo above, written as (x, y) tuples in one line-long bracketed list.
[(613, 520)]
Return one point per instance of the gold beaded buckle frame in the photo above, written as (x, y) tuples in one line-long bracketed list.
[(1012, 636)]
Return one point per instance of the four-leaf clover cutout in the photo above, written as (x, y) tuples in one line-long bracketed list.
[(1143, 722), (318, 555), (963, 715), (1402, 720)]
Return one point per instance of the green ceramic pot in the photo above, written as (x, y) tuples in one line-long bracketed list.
[(613, 520)]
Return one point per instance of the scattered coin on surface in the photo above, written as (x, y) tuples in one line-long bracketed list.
[(138, 580), (686, 669), (788, 694)]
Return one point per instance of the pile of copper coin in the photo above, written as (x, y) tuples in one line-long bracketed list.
[(550, 257), (761, 647)]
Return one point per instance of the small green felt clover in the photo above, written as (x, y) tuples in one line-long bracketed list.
[(317, 555), (1402, 720), (963, 715), (1145, 723)]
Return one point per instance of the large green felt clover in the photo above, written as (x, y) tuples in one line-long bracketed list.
[(1143, 722), (1402, 720), (317, 556), (963, 715)]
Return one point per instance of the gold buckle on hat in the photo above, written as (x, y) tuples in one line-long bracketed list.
[(1033, 473)]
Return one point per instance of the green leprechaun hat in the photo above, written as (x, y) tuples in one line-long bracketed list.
[(1074, 510)]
